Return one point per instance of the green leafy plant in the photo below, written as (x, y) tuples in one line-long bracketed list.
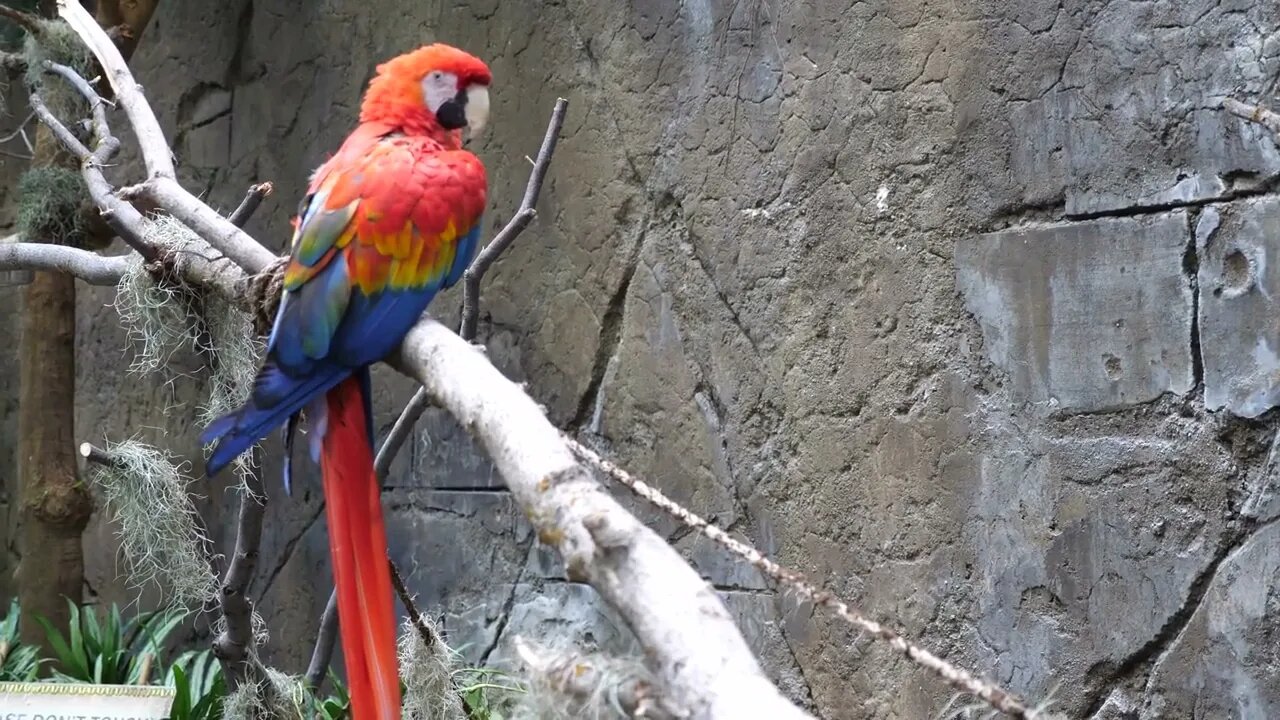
[(18, 662), (199, 687), (338, 705), (482, 689), (112, 651)]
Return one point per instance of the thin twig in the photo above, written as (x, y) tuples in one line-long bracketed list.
[(1268, 119), (22, 126), (252, 199), (524, 215), (326, 640), (97, 455), (994, 695), (234, 646), (410, 607), (24, 20)]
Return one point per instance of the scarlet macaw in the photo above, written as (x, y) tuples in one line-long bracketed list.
[(388, 221)]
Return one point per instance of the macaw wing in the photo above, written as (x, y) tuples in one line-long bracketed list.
[(380, 233)]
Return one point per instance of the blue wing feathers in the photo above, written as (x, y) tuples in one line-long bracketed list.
[(239, 430), (376, 324), (327, 328), (466, 253)]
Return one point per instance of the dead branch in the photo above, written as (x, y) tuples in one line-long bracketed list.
[(1254, 114), (252, 199), (326, 639), (960, 679), (91, 267), (411, 607), (95, 454), (699, 659), (24, 20), (524, 215), (123, 218), (155, 151), (234, 646)]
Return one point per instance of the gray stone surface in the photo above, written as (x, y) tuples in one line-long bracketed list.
[(1086, 315), (778, 251), (1224, 662), (1240, 286)]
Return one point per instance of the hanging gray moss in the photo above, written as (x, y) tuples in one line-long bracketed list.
[(159, 529), (57, 42), (234, 351), (49, 202), (164, 317), (596, 678), (427, 673), (279, 696)]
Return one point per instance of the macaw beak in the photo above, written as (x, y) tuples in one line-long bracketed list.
[(477, 109)]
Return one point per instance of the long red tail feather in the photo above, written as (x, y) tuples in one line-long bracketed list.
[(358, 544)]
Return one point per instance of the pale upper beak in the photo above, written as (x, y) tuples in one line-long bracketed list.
[(477, 108)]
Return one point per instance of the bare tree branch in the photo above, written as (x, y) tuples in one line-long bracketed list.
[(700, 659), (252, 199), (155, 151), (88, 266), (326, 640), (123, 218), (206, 222), (96, 455), (411, 607), (524, 215), (234, 646), (1255, 114)]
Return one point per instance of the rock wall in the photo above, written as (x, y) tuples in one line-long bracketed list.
[(963, 307)]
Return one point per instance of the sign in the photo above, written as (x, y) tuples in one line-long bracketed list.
[(67, 701)]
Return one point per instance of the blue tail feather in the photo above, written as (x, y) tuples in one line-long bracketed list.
[(289, 428), (236, 432)]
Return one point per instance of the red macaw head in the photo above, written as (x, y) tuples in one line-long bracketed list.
[(434, 89)]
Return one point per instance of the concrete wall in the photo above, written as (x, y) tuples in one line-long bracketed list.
[(963, 307)]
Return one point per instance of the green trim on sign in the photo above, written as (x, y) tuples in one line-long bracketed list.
[(84, 689)]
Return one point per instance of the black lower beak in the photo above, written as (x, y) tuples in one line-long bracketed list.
[(452, 115)]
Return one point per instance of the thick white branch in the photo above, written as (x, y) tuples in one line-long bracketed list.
[(155, 150), (218, 231), (1268, 119), (697, 653), (92, 268)]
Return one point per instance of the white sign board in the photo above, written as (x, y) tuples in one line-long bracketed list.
[(65, 701)]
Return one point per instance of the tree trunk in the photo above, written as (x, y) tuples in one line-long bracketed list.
[(56, 506)]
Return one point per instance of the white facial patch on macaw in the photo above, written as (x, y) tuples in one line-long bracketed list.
[(477, 109), (438, 88)]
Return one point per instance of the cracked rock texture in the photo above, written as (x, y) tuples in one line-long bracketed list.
[(964, 308)]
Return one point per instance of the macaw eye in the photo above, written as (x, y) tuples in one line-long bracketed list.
[(438, 87)]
